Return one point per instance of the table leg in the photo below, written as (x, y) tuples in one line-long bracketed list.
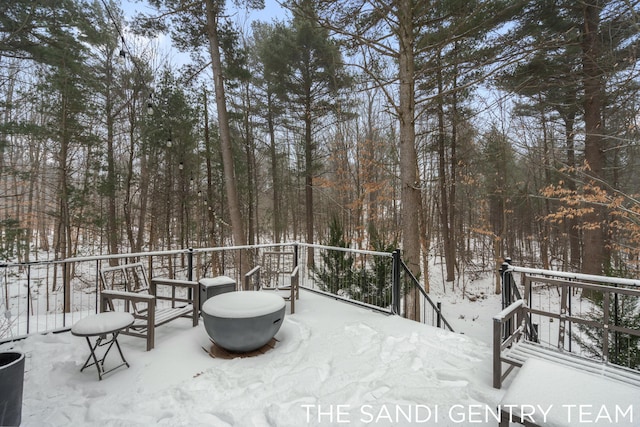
[(99, 363), (92, 349)]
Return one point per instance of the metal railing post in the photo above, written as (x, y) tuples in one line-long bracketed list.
[(190, 264), (97, 283), (28, 297), (506, 285), (395, 286), (190, 272), (506, 296), (65, 293), (439, 317)]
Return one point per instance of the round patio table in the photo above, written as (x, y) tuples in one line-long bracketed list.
[(102, 325)]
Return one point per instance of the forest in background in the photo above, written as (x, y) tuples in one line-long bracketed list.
[(466, 130)]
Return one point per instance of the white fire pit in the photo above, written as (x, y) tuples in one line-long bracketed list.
[(243, 321)]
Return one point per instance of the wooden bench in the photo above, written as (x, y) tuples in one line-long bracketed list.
[(511, 327), (126, 287)]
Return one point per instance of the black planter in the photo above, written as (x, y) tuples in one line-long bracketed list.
[(11, 382)]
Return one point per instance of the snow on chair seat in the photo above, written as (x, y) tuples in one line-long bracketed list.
[(127, 288)]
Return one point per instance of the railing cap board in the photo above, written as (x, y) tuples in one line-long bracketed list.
[(576, 276)]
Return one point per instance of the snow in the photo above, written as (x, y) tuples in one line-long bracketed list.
[(102, 323), (217, 281), (241, 305), (561, 403), (333, 361), (334, 364)]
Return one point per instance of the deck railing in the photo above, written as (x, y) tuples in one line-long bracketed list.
[(49, 296), (593, 316)]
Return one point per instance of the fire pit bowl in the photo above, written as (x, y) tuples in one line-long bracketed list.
[(243, 321)]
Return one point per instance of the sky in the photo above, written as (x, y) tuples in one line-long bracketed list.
[(334, 364), (272, 10), (242, 18)]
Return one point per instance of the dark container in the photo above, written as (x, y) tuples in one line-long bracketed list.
[(210, 287), (11, 384)]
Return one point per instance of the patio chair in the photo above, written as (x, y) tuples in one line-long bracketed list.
[(272, 275), (127, 288)]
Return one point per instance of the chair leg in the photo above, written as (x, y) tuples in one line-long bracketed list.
[(150, 337), (151, 325)]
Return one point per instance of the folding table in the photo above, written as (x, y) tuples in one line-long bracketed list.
[(101, 325)]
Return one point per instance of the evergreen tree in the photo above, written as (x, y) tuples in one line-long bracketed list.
[(623, 349), (195, 26), (577, 51), (335, 274), (379, 286), (313, 79), (270, 45)]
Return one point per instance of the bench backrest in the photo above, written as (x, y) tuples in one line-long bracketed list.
[(126, 278), (276, 267)]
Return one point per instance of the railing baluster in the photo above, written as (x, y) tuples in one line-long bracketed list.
[(377, 274)]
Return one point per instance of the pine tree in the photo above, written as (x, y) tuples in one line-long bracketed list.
[(379, 285), (335, 273), (624, 349), (313, 78)]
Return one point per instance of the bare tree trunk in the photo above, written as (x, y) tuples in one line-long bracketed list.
[(546, 161), (112, 230), (308, 184), (252, 213), (64, 220), (410, 191), (237, 223), (275, 175), (210, 223), (445, 202), (594, 241), (369, 151), (572, 223)]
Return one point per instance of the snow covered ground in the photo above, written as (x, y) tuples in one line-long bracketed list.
[(334, 364)]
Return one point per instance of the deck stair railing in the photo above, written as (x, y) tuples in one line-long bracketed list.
[(427, 305), (591, 316)]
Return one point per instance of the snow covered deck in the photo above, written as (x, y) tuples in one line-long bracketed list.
[(553, 395), (334, 364), (333, 361)]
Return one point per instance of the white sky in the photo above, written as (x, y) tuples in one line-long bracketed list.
[(241, 17)]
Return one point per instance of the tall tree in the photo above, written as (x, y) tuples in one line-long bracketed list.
[(195, 26), (270, 42), (213, 13), (594, 154), (549, 81), (313, 79), (386, 30), (69, 100), (577, 50), (105, 39), (454, 49)]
